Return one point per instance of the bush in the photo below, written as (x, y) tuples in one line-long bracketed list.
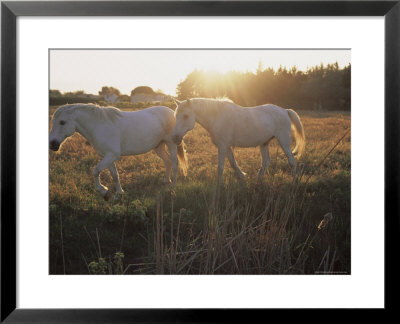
[(58, 101)]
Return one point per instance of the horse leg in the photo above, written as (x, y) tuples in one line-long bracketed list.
[(105, 163), (173, 153), (284, 141), (222, 151), (234, 165), (115, 176), (265, 160), (163, 154)]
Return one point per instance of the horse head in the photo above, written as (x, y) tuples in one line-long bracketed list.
[(185, 120), (63, 126)]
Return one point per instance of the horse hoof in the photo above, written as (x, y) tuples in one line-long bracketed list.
[(107, 196), (117, 197)]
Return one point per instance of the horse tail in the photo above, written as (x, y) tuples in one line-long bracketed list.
[(182, 158), (298, 131)]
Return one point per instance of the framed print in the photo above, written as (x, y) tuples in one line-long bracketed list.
[(88, 212)]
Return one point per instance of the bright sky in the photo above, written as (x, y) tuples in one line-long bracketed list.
[(89, 70)]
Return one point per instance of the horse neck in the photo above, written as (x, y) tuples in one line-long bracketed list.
[(84, 125), (202, 116)]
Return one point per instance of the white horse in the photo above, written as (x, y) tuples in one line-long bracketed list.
[(231, 125), (114, 133)]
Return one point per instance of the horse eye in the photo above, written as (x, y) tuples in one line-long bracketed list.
[(62, 122), (185, 116)]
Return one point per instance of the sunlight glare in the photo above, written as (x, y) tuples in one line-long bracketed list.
[(89, 70)]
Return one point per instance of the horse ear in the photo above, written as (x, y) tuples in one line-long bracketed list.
[(177, 102)]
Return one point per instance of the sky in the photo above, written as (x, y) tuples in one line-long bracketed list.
[(89, 70)]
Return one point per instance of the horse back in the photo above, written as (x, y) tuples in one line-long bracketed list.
[(253, 126), (143, 130), (159, 116)]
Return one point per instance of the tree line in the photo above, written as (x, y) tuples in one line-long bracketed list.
[(322, 87)]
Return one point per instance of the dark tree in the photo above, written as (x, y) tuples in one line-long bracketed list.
[(109, 91), (319, 87), (55, 93), (142, 90)]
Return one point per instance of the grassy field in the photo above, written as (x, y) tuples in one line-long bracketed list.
[(278, 227)]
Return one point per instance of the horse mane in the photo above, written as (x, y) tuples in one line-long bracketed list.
[(100, 113)]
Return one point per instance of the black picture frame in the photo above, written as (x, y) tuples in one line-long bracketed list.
[(9, 13)]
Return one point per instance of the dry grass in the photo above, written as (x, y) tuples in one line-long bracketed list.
[(270, 228)]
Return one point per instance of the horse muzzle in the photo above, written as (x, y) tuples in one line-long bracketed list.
[(54, 145)]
